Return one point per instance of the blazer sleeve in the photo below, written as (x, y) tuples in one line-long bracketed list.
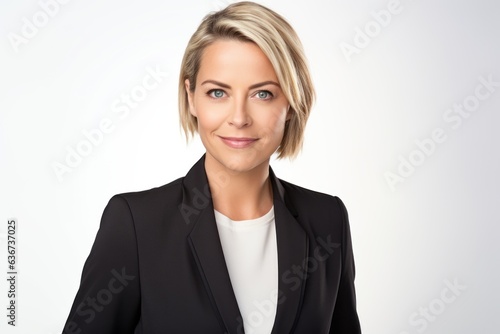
[(345, 317), (108, 300)]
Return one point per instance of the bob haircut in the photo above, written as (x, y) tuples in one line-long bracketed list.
[(250, 22)]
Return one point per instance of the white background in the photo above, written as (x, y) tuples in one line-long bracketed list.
[(440, 224)]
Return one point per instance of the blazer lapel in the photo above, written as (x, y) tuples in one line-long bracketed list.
[(206, 247), (292, 244)]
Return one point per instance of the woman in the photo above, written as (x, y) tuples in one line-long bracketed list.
[(229, 248)]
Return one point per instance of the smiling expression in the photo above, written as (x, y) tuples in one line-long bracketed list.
[(239, 105)]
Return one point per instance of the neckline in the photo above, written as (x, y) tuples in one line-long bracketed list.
[(225, 221)]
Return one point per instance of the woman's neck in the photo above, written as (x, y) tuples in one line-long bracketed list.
[(239, 195)]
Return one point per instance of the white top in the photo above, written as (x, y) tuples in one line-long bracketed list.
[(251, 255)]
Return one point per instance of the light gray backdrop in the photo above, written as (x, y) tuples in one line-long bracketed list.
[(405, 131)]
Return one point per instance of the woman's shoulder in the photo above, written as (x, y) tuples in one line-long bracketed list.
[(160, 195), (312, 202), (306, 194)]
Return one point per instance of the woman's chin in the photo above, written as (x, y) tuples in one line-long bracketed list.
[(241, 163)]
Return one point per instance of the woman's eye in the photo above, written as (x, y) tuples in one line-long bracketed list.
[(264, 95), (216, 93)]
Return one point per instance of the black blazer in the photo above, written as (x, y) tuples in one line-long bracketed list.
[(157, 265)]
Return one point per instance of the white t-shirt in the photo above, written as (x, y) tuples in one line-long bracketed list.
[(251, 255)]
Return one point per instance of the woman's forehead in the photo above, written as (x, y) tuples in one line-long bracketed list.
[(233, 59)]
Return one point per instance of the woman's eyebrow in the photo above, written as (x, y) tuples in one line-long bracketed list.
[(260, 84), (269, 82), (218, 83)]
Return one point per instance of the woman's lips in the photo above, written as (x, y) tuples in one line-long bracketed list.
[(238, 142)]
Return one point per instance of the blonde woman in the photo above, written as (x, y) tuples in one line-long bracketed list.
[(229, 248)]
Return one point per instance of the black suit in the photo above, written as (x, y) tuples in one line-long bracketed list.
[(157, 265)]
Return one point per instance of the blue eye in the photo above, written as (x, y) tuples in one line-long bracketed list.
[(264, 95), (216, 93)]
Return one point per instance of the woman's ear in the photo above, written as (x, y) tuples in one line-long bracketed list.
[(190, 97)]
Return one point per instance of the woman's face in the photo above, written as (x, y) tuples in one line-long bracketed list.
[(240, 107)]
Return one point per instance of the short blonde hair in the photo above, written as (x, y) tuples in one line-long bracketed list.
[(251, 22)]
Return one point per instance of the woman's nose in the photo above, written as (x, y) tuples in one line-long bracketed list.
[(239, 116)]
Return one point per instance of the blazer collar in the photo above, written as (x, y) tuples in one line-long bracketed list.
[(292, 244)]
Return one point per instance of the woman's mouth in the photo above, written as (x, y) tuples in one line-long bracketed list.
[(238, 142)]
